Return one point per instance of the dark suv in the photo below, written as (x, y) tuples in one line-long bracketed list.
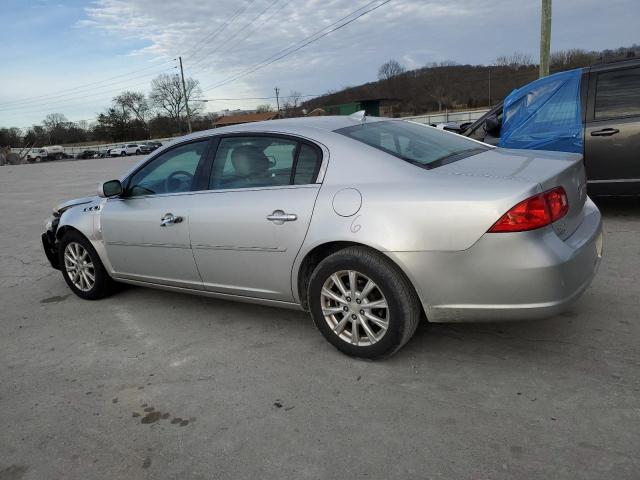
[(610, 96)]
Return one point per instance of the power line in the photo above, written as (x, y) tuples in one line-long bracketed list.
[(31, 104), (69, 103), (36, 101), (220, 28), (60, 93), (273, 97), (266, 20), (228, 39), (280, 55)]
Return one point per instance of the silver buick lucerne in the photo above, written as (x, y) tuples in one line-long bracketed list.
[(367, 223)]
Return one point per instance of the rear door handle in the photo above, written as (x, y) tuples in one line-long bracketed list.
[(279, 217), (605, 132)]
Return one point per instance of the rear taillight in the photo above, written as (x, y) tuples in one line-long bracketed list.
[(534, 212)]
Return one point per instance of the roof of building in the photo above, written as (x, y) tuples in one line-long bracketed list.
[(246, 118)]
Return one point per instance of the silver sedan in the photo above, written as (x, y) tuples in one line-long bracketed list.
[(368, 224)]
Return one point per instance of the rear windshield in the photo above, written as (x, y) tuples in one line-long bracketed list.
[(415, 143)]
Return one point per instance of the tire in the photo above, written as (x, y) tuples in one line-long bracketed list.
[(102, 285), (123, 154), (137, 152), (392, 288), (38, 159)]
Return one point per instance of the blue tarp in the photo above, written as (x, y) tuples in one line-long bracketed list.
[(545, 115)]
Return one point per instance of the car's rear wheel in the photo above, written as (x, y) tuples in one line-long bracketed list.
[(363, 303), (81, 267), (123, 154)]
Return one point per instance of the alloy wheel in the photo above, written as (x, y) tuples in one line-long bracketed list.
[(355, 308), (79, 266)]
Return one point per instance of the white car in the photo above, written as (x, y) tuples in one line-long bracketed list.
[(36, 154), (128, 149)]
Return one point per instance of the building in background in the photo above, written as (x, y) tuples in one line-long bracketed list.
[(244, 118), (375, 107)]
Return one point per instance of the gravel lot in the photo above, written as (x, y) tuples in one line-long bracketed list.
[(150, 384)]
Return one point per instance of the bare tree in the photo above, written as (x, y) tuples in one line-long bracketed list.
[(136, 103), (390, 69), (264, 108), (291, 104), (166, 95), (438, 81), (515, 60), (54, 120), (572, 58)]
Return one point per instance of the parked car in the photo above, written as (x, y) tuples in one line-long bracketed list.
[(128, 149), (36, 155), (148, 147), (55, 152), (610, 104), (367, 223), (88, 154)]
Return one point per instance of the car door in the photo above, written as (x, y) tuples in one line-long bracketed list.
[(248, 228), (612, 131), (146, 230)]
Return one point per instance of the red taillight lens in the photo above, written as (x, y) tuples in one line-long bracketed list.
[(534, 212), (558, 203)]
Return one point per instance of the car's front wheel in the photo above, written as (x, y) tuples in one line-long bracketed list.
[(81, 267), (363, 303)]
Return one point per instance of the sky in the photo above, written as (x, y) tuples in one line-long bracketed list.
[(72, 57)]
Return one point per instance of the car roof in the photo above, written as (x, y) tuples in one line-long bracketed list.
[(291, 125)]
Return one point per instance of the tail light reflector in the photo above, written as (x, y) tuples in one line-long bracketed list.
[(535, 212)]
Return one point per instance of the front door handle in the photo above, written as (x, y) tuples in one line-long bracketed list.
[(605, 132), (169, 219), (279, 217)]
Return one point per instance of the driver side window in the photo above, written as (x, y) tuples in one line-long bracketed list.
[(171, 172)]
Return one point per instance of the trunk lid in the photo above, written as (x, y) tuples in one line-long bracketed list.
[(546, 169)]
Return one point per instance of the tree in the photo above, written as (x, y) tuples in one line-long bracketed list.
[(390, 69), (264, 108), (54, 120), (10, 137), (168, 97), (136, 104), (291, 104), (516, 60)]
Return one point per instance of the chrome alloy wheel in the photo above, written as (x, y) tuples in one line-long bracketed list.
[(355, 308), (79, 267)]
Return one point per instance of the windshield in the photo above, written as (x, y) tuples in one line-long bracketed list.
[(418, 144)]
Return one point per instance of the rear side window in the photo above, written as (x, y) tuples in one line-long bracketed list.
[(307, 165), (618, 94), (418, 144), (262, 161)]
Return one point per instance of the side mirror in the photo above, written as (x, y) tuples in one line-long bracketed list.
[(492, 126), (112, 188)]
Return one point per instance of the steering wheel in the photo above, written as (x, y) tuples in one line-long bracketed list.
[(175, 184)]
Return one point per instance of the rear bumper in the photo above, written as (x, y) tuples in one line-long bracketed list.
[(507, 276)]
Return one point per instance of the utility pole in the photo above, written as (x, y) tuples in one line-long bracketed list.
[(545, 37), (184, 92), (489, 86), (277, 98)]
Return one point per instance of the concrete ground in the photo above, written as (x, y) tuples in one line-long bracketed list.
[(149, 384)]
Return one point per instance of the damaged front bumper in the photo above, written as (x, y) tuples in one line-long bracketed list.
[(49, 243)]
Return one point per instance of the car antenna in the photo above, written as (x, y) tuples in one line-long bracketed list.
[(360, 116)]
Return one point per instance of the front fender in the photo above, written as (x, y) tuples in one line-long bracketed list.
[(85, 219)]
